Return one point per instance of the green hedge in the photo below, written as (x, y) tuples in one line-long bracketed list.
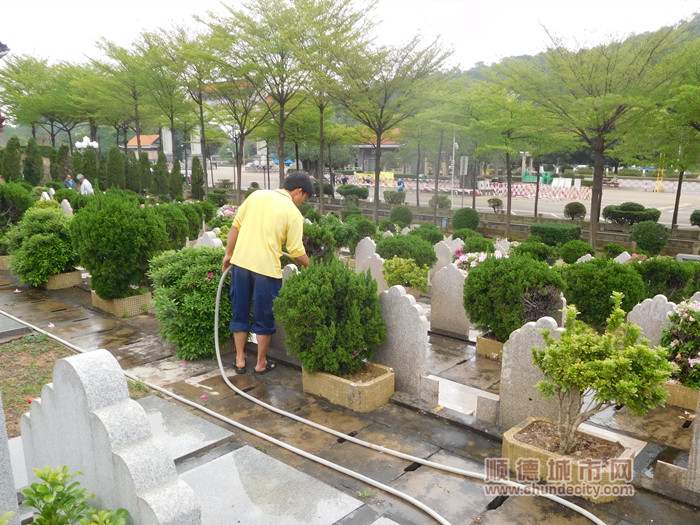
[(630, 213), (346, 190), (407, 247), (554, 233), (394, 197)]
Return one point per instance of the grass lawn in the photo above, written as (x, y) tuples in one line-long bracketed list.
[(27, 365)]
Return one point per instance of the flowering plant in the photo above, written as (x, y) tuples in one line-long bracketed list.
[(682, 338), (636, 258), (227, 211), (467, 261)]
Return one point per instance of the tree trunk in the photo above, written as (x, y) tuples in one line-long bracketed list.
[(676, 204), (280, 147), (377, 171), (321, 142), (437, 177), (597, 196), (418, 178), (203, 142), (239, 166), (137, 129), (509, 182)]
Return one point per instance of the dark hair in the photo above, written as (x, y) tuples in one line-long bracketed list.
[(299, 179)]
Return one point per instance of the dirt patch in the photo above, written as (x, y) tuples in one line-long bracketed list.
[(544, 435), (366, 374)]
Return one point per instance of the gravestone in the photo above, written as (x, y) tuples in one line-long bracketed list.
[(444, 254), (406, 347), (8, 492), (85, 419), (387, 234), (454, 244), (584, 258), (365, 248), (67, 208), (695, 297), (375, 265), (651, 315), (447, 314), (52, 192), (289, 270), (405, 230), (209, 239), (519, 396), (44, 196), (502, 245), (622, 258)]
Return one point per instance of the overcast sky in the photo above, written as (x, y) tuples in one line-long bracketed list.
[(477, 30)]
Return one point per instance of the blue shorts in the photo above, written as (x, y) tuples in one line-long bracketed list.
[(249, 287)]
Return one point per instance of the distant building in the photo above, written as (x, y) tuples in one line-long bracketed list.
[(149, 143)]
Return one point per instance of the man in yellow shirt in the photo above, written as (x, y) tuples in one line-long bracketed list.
[(266, 220)]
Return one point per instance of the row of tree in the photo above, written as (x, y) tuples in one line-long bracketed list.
[(262, 71)]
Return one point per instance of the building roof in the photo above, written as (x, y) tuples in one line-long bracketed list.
[(146, 141)]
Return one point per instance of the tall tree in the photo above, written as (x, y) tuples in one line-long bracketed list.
[(116, 173), (10, 169), (33, 163)]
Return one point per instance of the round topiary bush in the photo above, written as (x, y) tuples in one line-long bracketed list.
[(443, 202), (554, 233), (358, 227), (502, 294), (350, 190), (331, 317), (15, 199), (405, 272), (496, 204), (394, 197), (428, 232), (575, 211), (115, 238), (464, 234), (194, 221), (571, 251), (350, 209), (185, 283), (590, 284), (650, 236), (612, 249), (630, 213), (537, 250), (385, 225), (695, 218), (407, 247), (176, 225), (465, 218), (667, 276), (401, 215), (319, 242), (477, 244)]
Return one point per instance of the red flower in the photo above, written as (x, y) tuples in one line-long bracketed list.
[(29, 400), (209, 277)]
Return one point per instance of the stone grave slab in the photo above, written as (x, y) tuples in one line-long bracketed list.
[(447, 315), (11, 328), (365, 248), (651, 315), (8, 490), (250, 484)]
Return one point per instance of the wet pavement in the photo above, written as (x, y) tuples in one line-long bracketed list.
[(447, 434)]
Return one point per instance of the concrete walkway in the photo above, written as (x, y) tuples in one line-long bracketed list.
[(241, 478)]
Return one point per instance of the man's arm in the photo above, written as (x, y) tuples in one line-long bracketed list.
[(230, 245), (302, 261)]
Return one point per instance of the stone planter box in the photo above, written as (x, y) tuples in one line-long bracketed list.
[(682, 396), (489, 348), (5, 262), (360, 397), (513, 450), (128, 306), (63, 280)]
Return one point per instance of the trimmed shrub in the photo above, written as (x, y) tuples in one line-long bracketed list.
[(590, 284), (11, 169), (348, 190), (176, 224), (429, 232), (681, 337), (207, 208), (115, 238), (327, 189), (386, 225), (319, 242), (612, 249), (464, 234), (571, 251), (407, 247), (185, 283), (14, 201), (218, 196), (331, 317), (197, 180), (695, 218), (194, 221), (465, 218), (358, 228), (443, 202), (575, 211), (650, 236), (496, 204), (502, 294), (667, 276), (554, 233), (401, 215), (477, 244), (394, 197), (406, 273), (33, 163), (537, 250), (341, 232), (249, 191), (630, 213), (350, 209)]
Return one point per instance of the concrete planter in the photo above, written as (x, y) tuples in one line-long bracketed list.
[(360, 397), (128, 306), (5, 262), (513, 450), (682, 396), (64, 280), (489, 348)]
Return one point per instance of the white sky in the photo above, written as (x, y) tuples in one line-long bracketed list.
[(477, 30)]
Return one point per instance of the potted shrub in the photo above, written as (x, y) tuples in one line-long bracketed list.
[(586, 372), (501, 294), (185, 283), (115, 238), (408, 274), (43, 253), (682, 339), (333, 324)]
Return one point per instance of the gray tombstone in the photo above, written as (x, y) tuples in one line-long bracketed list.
[(695, 297), (52, 192), (209, 239), (44, 196), (85, 419), (447, 314), (67, 208), (444, 254), (405, 230), (387, 234), (8, 492), (289, 270), (454, 244), (519, 396), (584, 258), (375, 265), (622, 258), (502, 245), (365, 248), (406, 347), (651, 315)]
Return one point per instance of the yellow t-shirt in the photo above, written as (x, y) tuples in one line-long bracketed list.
[(266, 220)]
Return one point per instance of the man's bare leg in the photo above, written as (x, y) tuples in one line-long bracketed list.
[(263, 345), (239, 340)]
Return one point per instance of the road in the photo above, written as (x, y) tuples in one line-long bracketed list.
[(644, 194)]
